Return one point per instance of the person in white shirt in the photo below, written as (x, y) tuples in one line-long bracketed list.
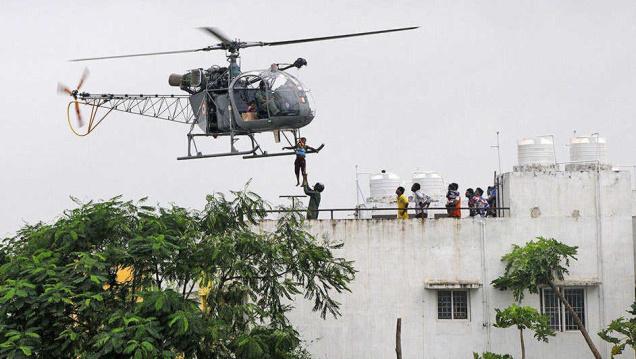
[(422, 201)]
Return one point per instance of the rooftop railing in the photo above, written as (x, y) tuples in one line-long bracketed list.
[(356, 211)]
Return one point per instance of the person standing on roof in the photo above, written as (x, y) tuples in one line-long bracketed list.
[(472, 199), (480, 202), (300, 165), (453, 201), (491, 194), (314, 199), (422, 201), (402, 203)]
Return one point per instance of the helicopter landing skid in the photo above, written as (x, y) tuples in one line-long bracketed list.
[(288, 153), (226, 154), (233, 150)]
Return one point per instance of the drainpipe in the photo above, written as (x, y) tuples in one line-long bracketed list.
[(599, 251), (484, 286)]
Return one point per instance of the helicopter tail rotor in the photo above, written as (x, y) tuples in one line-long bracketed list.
[(63, 89), (82, 78)]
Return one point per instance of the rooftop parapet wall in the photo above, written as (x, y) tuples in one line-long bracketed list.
[(567, 194)]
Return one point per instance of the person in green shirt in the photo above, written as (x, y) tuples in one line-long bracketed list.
[(314, 199), (265, 106), (402, 203)]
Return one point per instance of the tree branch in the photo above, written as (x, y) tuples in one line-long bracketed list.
[(577, 320)]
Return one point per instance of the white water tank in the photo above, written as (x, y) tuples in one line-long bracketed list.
[(431, 183), (588, 149), (383, 185), (536, 151)]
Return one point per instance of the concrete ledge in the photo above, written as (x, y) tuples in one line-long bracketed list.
[(574, 282), (451, 284)]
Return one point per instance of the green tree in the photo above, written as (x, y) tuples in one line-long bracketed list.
[(621, 332), (61, 296), (539, 263), (524, 318)]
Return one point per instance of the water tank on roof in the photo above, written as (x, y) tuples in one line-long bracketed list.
[(591, 149), (536, 151), (383, 184), (431, 183)]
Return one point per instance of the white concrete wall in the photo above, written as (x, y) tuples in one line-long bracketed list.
[(396, 258), (567, 194)]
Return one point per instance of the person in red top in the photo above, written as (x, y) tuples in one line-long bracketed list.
[(453, 201)]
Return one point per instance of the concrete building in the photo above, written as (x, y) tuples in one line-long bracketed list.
[(435, 274)]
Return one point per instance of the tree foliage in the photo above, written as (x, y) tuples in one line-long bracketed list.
[(621, 332), (536, 264), (522, 318), (62, 293)]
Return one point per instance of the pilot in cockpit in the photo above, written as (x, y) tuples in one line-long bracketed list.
[(265, 107)]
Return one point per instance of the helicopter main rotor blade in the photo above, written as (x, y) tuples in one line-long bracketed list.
[(288, 42), (148, 54), (215, 32)]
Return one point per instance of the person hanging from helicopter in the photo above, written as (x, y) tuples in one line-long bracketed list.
[(300, 165)]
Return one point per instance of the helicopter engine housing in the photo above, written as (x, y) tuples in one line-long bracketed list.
[(175, 80), (194, 78)]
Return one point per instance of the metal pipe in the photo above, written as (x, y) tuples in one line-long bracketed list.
[(374, 209), (484, 280), (599, 249)]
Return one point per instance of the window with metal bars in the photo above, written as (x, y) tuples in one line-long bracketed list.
[(452, 304), (560, 318)]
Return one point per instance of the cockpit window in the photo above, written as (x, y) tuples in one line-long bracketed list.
[(260, 95), (247, 93), (287, 92)]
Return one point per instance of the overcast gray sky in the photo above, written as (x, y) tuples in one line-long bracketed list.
[(432, 98)]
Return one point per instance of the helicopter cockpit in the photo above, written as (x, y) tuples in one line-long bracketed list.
[(270, 99)]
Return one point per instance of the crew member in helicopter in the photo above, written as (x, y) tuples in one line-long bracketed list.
[(300, 164), (265, 107)]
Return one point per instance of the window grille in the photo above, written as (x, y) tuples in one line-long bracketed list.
[(560, 318), (576, 298), (452, 304), (551, 307), (444, 304), (460, 304)]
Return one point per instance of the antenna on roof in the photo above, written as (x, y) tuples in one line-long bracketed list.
[(498, 152)]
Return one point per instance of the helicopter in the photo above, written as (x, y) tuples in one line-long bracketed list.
[(219, 101)]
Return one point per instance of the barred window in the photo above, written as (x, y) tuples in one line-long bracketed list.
[(551, 307), (576, 298), (452, 304), (444, 304), (560, 318)]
